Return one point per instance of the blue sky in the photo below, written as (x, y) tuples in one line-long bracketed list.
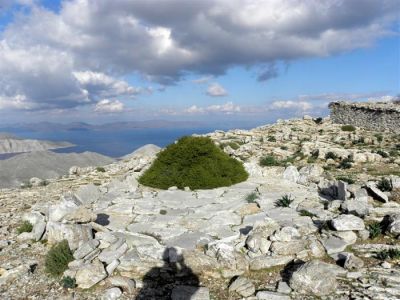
[(63, 64)]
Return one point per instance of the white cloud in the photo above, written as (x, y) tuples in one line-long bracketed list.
[(202, 80), (289, 104), (109, 106), (216, 90), (42, 51), (227, 108)]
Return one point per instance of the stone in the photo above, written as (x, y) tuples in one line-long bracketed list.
[(185, 292), (355, 207), (341, 190), (267, 295), (59, 210), (386, 265), (352, 262), (85, 248), (361, 195), (81, 215), (265, 262), (334, 244), (88, 194), (288, 248), (8, 276), (242, 286), (291, 174), (127, 284), (39, 224), (377, 193), (257, 243), (314, 277), (111, 294), (285, 234), (394, 224), (110, 254), (283, 288), (90, 274), (310, 173), (73, 233), (348, 222)]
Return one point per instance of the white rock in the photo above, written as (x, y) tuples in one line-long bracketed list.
[(112, 294), (90, 274), (291, 174), (348, 222)]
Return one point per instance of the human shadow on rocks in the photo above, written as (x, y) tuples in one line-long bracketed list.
[(174, 280)]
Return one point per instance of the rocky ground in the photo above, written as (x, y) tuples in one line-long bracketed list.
[(319, 218)]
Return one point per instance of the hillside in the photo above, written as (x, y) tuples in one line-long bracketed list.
[(318, 218), (12, 144)]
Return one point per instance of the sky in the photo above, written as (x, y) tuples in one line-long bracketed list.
[(212, 61)]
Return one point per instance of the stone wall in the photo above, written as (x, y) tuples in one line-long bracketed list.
[(373, 116)]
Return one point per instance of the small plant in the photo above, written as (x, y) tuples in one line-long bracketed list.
[(284, 201), (57, 258), (163, 212), (349, 128), (315, 153), (388, 254), (385, 185), (383, 153), (379, 137), (330, 155), (348, 180), (269, 160), (68, 282), (252, 197), (375, 230), (271, 139), (305, 213), (284, 147), (100, 169), (25, 227), (318, 120), (346, 163)]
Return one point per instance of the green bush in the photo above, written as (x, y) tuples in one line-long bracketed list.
[(284, 201), (271, 139), (194, 162), (24, 227), (375, 230), (330, 155), (68, 282), (349, 128), (269, 161), (383, 153), (385, 185), (57, 258), (100, 169), (388, 254), (252, 197), (346, 163)]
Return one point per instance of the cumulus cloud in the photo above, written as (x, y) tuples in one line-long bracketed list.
[(227, 108), (42, 51), (109, 106), (289, 104), (216, 90)]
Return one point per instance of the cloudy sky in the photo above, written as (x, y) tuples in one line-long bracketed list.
[(209, 60)]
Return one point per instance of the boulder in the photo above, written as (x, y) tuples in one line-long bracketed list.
[(81, 215), (90, 274), (394, 224), (348, 222), (314, 277), (291, 174), (267, 295), (377, 193), (59, 210), (88, 194), (242, 286), (355, 207), (127, 284), (111, 294), (265, 262), (75, 234)]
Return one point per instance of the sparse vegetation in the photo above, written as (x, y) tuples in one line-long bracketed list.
[(375, 230), (284, 201), (385, 185), (330, 155), (346, 179), (349, 128), (163, 212), (271, 139), (68, 282), (379, 137), (233, 145), (100, 169), (383, 153), (252, 197), (346, 163), (194, 162), (388, 254), (305, 213), (25, 227), (57, 258), (269, 160)]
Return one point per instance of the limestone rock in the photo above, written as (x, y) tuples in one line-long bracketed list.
[(315, 278), (377, 193), (127, 284), (90, 274), (243, 286), (73, 233), (265, 262), (81, 215), (267, 295), (291, 174), (394, 224), (111, 294), (348, 222)]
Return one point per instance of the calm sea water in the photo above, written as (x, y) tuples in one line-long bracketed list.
[(114, 143)]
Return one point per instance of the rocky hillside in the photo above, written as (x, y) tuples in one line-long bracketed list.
[(12, 144), (318, 218), (43, 165)]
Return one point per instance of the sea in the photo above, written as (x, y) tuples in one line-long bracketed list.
[(115, 143)]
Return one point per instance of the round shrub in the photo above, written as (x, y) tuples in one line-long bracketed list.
[(194, 162), (57, 258)]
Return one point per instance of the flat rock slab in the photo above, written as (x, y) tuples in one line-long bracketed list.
[(185, 292), (265, 262)]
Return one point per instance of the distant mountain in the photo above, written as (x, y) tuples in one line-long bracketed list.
[(12, 144), (81, 126), (45, 165)]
